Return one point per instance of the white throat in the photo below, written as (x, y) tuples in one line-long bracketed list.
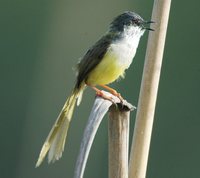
[(125, 47)]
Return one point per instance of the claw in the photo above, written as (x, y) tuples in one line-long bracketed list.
[(102, 95), (114, 92)]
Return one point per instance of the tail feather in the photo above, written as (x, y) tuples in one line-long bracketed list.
[(79, 99), (55, 141)]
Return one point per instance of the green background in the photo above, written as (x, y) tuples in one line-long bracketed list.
[(41, 40)]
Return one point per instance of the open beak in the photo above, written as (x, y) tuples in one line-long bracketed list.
[(148, 28)]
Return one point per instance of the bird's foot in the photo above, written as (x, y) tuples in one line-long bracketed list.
[(114, 92), (102, 94)]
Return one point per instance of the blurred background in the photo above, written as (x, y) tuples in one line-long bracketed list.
[(42, 40)]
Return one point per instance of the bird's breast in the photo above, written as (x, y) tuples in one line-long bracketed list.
[(116, 60), (124, 51)]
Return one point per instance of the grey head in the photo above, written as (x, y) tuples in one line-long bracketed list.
[(128, 19)]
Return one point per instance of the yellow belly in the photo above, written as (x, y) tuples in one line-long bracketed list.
[(107, 71)]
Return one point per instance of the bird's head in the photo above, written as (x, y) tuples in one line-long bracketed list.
[(129, 20)]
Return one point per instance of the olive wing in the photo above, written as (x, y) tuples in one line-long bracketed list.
[(92, 58)]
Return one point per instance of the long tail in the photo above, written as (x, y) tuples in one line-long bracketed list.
[(55, 141)]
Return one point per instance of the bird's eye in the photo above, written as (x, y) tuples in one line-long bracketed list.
[(135, 21)]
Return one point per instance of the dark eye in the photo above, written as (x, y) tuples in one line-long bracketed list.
[(135, 21)]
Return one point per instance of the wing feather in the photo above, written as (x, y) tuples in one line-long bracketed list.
[(92, 58)]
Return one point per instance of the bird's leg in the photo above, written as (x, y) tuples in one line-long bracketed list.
[(101, 94), (113, 91)]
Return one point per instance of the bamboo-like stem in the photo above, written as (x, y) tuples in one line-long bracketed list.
[(99, 109), (118, 134), (148, 92), (97, 113)]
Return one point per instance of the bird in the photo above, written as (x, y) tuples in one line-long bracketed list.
[(104, 63)]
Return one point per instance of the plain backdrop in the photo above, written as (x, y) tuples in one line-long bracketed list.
[(40, 43)]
